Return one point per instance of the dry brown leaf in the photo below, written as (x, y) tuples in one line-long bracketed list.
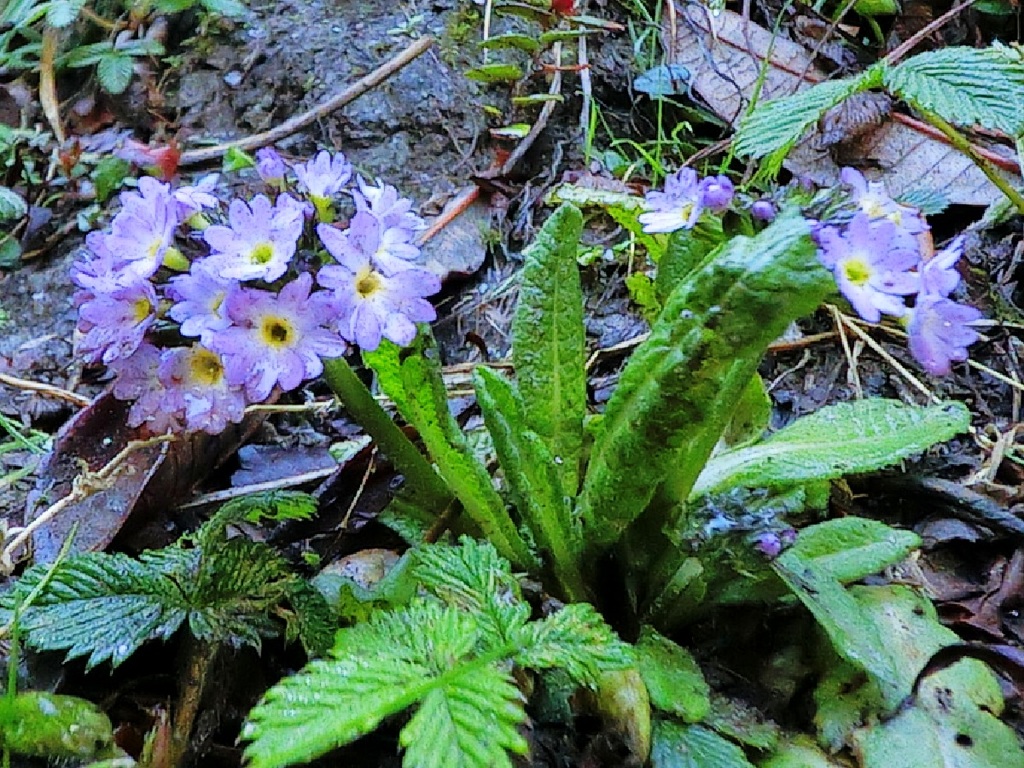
[(726, 64), (150, 480)]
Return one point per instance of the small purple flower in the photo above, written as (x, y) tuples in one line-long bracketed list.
[(197, 387), (114, 324), (939, 332), (137, 380), (763, 210), (100, 271), (375, 298), (260, 241), (678, 207), (872, 198), (716, 193), (200, 297), (143, 229), (325, 175), (192, 200), (270, 166), (871, 273), (939, 275), (391, 210), (277, 339)]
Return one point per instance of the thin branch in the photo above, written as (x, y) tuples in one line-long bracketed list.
[(298, 122)]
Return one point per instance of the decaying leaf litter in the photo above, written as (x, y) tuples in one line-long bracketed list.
[(431, 140)]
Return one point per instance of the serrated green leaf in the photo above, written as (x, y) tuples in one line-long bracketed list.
[(840, 439), (532, 474), (239, 584), (413, 381), (674, 681), (474, 578), (41, 724), (448, 729), (12, 204), (676, 394), (575, 639), (334, 701), (693, 746), (495, 73), (312, 621), (801, 752), (966, 86), (548, 341), (511, 40), (103, 607), (273, 506), (63, 13), (776, 125), (114, 71)]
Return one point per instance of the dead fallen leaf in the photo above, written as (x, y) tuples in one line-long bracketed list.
[(907, 156), (151, 480)]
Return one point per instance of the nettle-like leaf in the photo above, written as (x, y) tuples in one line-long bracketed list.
[(773, 127), (575, 639), (449, 654), (841, 439), (548, 346), (693, 746), (103, 607), (275, 506), (474, 578), (63, 13), (417, 655), (677, 393), (966, 86)]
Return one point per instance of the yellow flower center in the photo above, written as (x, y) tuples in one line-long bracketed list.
[(277, 332), (141, 309), (206, 368), (262, 253), (857, 271), (368, 282)]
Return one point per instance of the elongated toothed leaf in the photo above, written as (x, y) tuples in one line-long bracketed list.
[(548, 344), (677, 393), (840, 439), (533, 479)]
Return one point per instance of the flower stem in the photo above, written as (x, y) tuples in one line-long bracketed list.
[(960, 142), (430, 489)]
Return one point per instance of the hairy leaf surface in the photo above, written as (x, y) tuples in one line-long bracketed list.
[(966, 86), (776, 125), (532, 474), (414, 383), (840, 439), (676, 395), (103, 606), (548, 341)]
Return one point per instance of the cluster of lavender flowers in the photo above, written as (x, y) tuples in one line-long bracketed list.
[(880, 255), (197, 320), (882, 258)]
